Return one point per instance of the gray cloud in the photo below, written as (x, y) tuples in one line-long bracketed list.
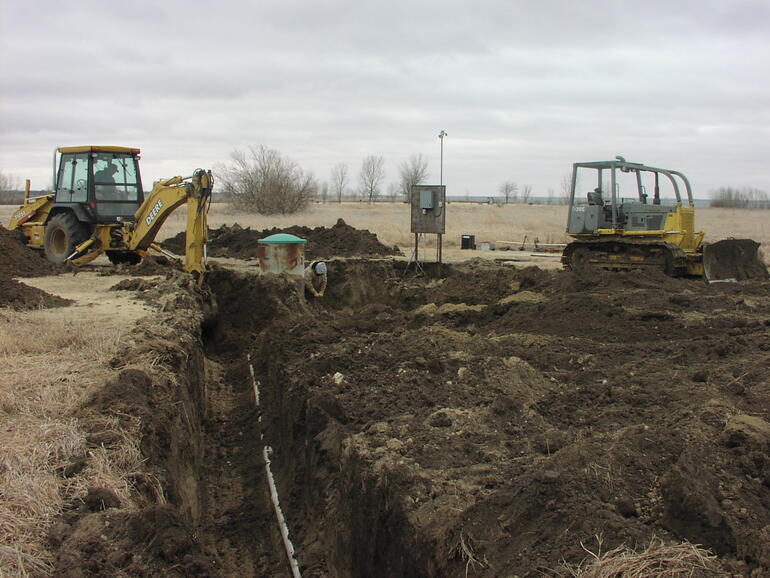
[(523, 90)]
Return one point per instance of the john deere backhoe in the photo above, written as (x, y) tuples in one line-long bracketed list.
[(98, 206), (639, 231)]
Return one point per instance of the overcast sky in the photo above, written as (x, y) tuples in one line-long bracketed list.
[(523, 89)]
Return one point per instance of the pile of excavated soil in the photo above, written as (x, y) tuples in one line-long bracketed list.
[(20, 297), (16, 260), (157, 397), (341, 240)]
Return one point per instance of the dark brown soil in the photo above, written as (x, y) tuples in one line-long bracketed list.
[(20, 297), (97, 536), (151, 265), (479, 421), (16, 260), (341, 240), (496, 421)]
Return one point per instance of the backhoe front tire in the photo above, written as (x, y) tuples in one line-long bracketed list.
[(62, 234)]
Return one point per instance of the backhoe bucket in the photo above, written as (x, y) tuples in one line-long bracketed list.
[(733, 260)]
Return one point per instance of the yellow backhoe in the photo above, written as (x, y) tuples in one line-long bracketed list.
[(98, 206), (618, 225)]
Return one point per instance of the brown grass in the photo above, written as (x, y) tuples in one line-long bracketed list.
[(50, 363), (657, 560)]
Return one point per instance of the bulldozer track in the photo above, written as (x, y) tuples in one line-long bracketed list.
[(625, 255)]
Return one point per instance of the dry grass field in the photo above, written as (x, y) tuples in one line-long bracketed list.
[(489, 223), (51, 362)]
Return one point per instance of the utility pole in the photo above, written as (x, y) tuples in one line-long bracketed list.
[(441, 136)]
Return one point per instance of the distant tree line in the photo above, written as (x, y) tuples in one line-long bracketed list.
[(262, 180), (10, 190), (740, 197)]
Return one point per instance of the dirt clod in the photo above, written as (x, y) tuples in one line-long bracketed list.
[(98, 499)]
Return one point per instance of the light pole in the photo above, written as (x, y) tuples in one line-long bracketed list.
[(441, 136)]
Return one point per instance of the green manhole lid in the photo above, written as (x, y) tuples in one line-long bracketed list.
[(282, 239)]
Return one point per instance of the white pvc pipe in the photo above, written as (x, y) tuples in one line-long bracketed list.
[(288, 546), (266, 451)]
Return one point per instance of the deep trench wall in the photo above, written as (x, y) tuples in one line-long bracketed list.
[(343, 520), (183, 456), (159, 390), (174, 405), (337, 509)]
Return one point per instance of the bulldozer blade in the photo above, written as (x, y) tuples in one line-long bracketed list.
[(733, 260)]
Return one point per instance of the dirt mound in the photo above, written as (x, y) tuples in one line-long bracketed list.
[(16, 260), (341, 240), (20, 297), (108, 542)]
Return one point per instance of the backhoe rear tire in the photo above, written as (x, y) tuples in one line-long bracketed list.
[(62, 234)]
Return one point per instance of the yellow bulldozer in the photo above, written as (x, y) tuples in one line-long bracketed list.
[(98, 206), (616, 232)]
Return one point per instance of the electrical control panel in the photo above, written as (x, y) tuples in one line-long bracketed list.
[(428, 209)]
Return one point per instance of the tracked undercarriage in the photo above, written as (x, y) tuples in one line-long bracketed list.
[(624, 255)]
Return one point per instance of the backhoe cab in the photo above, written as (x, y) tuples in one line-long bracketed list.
[(98, 206), (617, 225)]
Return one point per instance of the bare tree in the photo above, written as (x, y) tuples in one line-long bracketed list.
[(9, 189), (744, 197), (261, 180), (509, 190), (413, 172), (393, 190), (566, 184), (339, 180), (324, 191), (371, 175), (526, 193)]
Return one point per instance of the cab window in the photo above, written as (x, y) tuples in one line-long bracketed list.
[(72, 184), (115, 178)]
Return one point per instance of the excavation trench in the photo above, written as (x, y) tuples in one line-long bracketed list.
[(477, 420), (343, 519)]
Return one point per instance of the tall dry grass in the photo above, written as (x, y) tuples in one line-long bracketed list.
[(50, 363), (492, 223)]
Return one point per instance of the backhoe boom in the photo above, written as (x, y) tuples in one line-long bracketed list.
[(165, 197)]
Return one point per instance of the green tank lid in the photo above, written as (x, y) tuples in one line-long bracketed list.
[(282, 239)]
